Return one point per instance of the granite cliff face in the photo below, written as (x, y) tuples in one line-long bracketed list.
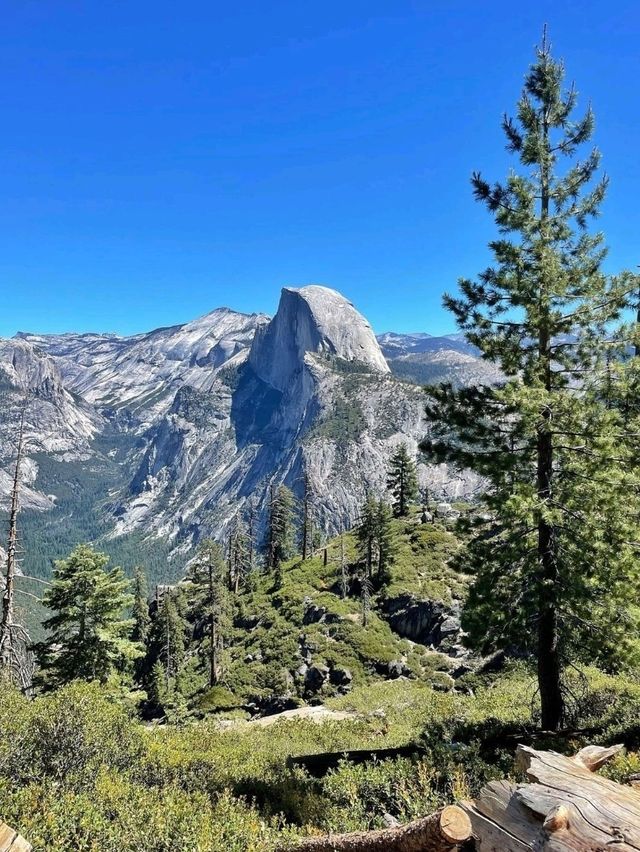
[(57, 423), (317, 320), (178, 429)]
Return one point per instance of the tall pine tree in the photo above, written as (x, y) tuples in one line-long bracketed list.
[(140, 609), (555, 560), (239, 555), (375, 538), (210, 604), (281, 531), (402, 481)]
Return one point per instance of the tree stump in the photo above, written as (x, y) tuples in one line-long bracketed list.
[(566, 807)]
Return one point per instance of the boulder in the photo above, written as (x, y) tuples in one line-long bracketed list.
[(430, 623), (398, 668), (315, 678), (271, 704), (315, 614), (341, 677), (444, 510), (312, 612)]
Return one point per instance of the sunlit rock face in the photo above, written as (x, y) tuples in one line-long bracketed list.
[(312, 319)]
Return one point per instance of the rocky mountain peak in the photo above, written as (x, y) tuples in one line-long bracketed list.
[(312, 319), (27, 369)]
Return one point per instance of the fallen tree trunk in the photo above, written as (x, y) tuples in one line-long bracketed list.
[(11, 841), (566, 807), (440, 832)]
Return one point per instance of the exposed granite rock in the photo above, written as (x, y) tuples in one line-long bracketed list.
[(398, 668), (429, 622), (315, 678), (341, 677), (312, 319)]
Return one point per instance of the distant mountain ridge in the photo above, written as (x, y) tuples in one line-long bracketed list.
[(167, 435), (424, 359)]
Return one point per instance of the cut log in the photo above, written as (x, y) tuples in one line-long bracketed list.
[(566, 807), (11, 841), (440, 832)]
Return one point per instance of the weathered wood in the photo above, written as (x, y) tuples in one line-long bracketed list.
[(11, 841), (566, 807), (593, 757), (440, 832)]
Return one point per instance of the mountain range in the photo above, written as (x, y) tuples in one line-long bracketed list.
[(160, 439)]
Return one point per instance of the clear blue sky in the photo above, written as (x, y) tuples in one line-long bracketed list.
[(159, 159)]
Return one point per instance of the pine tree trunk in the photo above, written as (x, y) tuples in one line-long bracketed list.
[(549, 668), (213, 656)]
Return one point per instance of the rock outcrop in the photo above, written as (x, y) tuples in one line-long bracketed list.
[(430, 623)]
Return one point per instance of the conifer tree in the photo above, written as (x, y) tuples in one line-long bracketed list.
[(344, 579), (239, 555), (211, 604), (385, 543), (308, 529), (87, 635), (168, 640), (281, 531), (251, 534), (140, 609), (402, 481), (16, 656), (554, 554), (366, 532), (375, 538), (365, 597)]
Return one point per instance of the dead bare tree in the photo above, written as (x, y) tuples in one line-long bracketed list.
[(16, 659)]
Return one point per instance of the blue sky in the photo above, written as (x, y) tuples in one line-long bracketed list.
[(158, 159)]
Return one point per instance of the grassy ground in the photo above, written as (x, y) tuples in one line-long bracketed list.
[(77, 773)]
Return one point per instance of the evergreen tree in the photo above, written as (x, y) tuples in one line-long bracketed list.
[(211, 604), (402, 481), (140, 610), (307, 520), (251, 534), (239, 555), (375, 538), (554, 559), (281, 531), (366, 532), (365, 597), (344, 577), (386, 546), (87, 636), (168, 641)]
